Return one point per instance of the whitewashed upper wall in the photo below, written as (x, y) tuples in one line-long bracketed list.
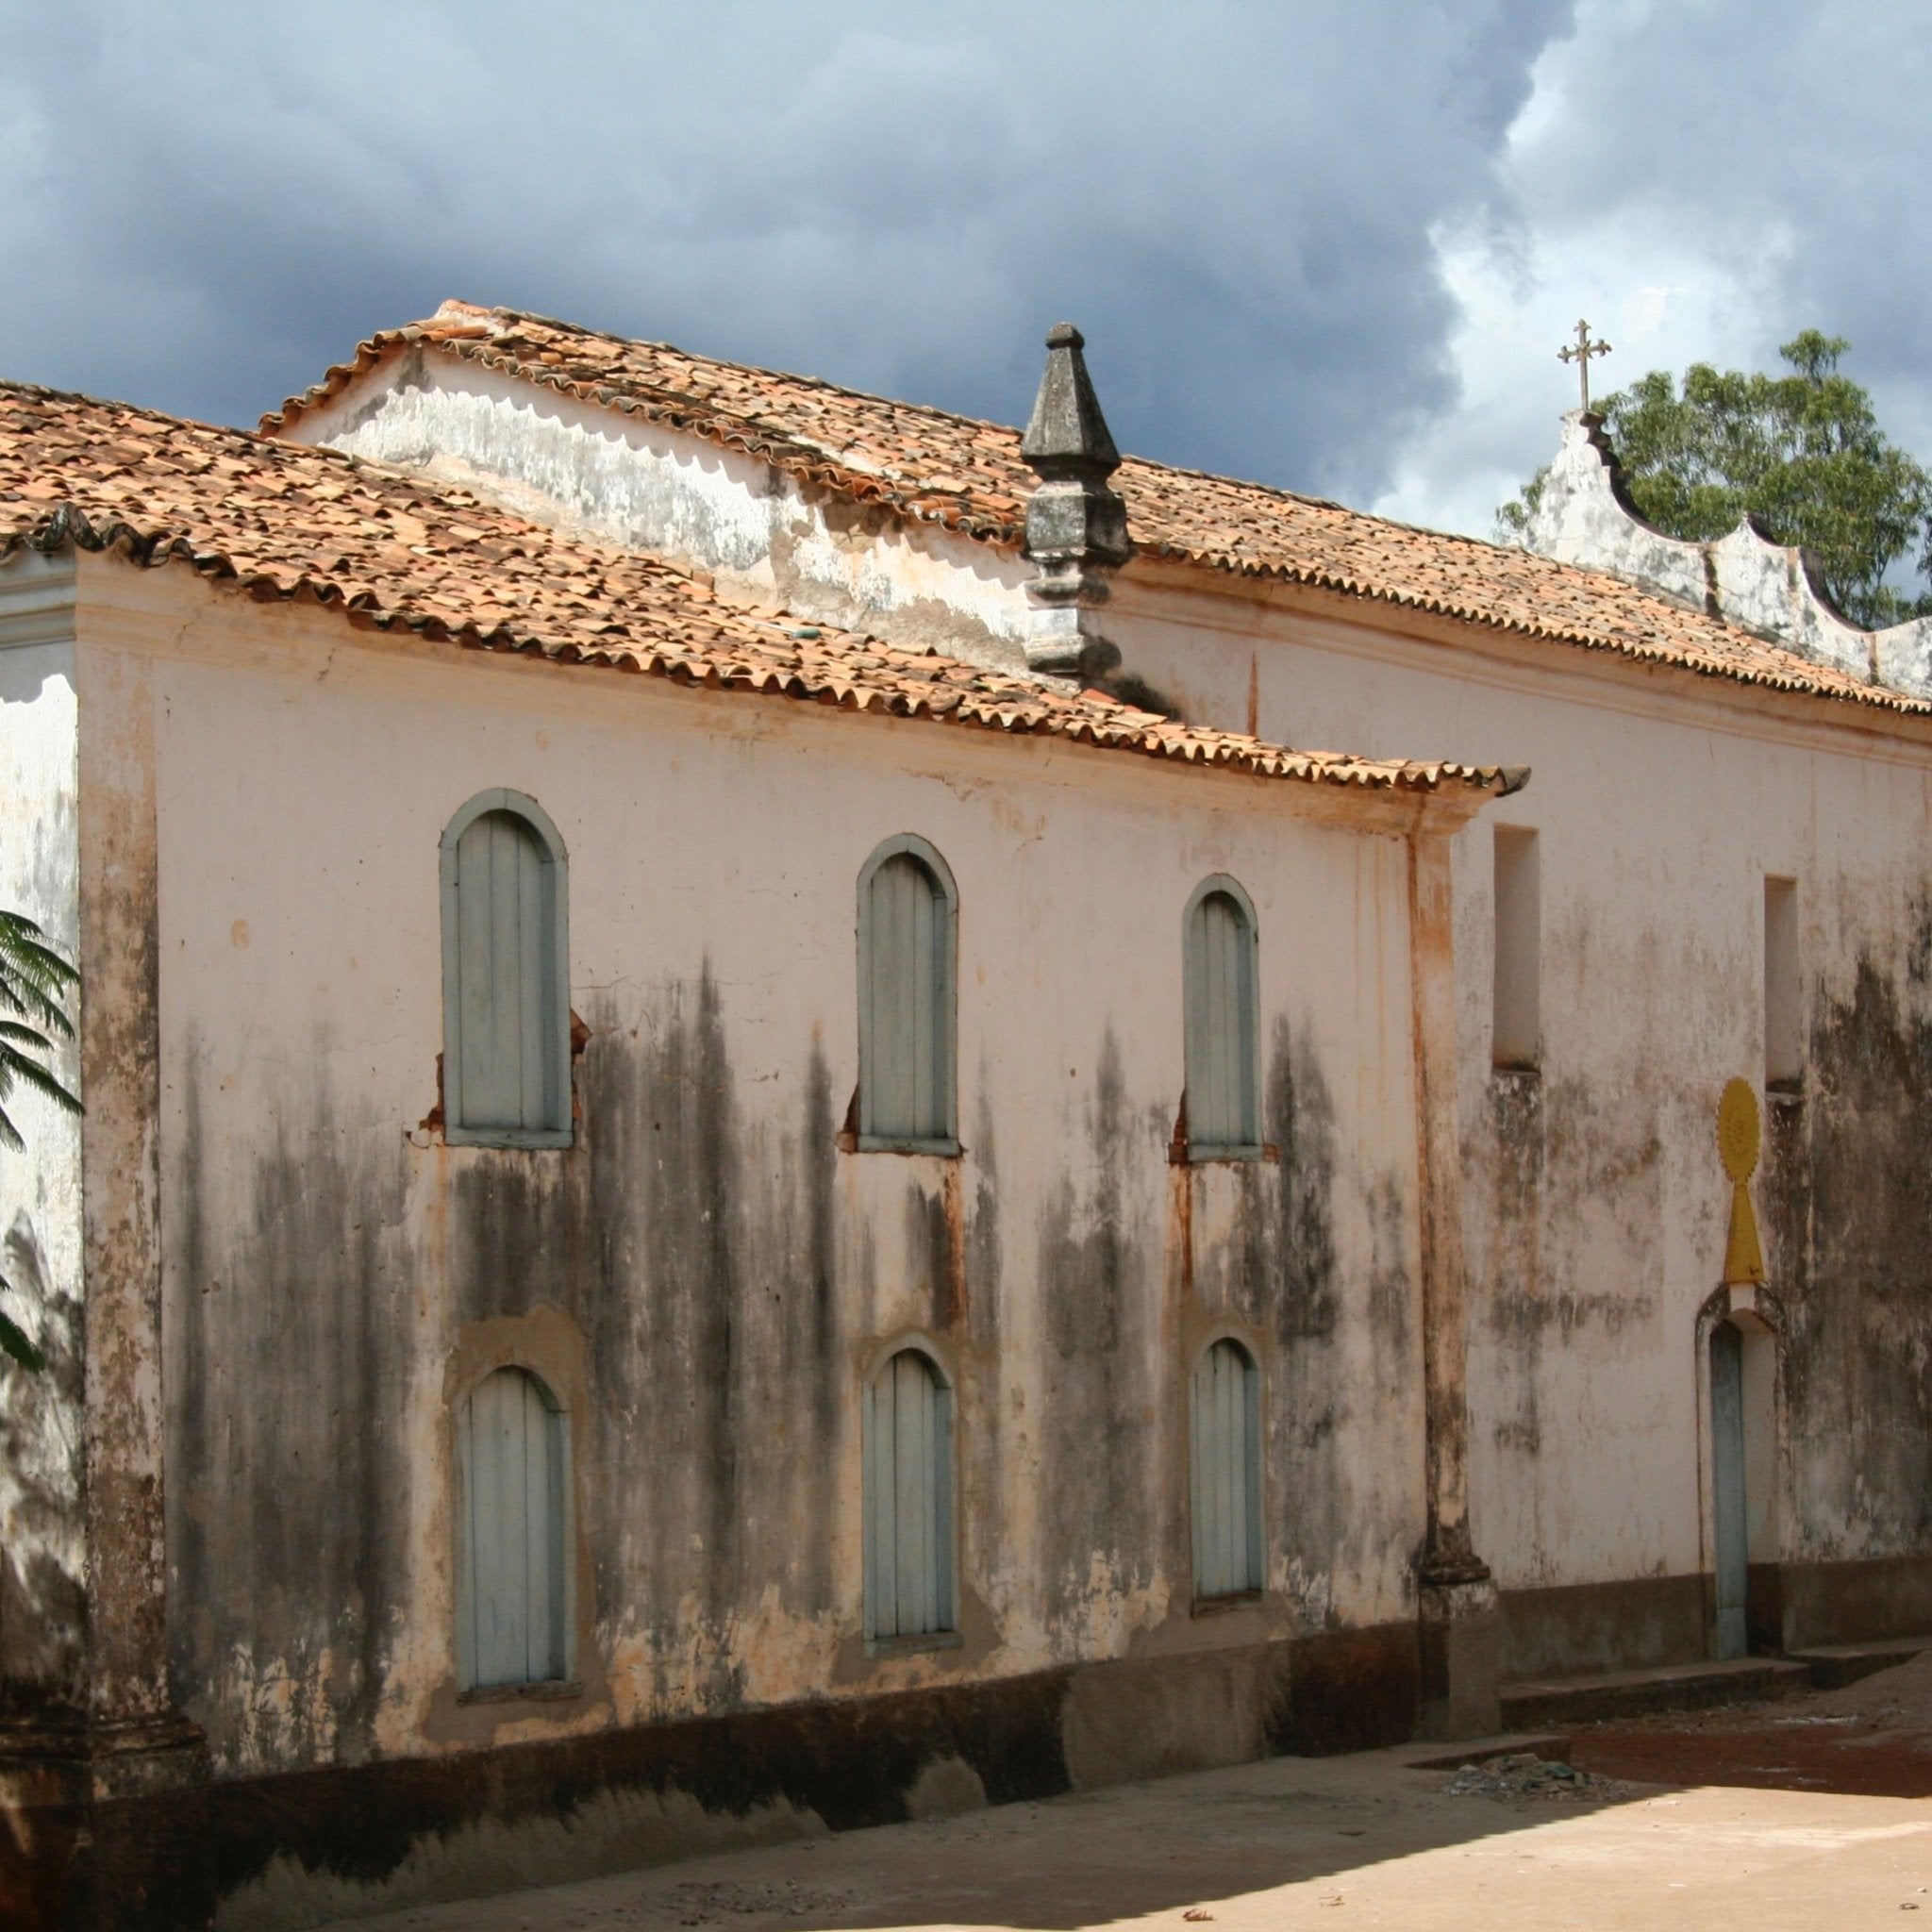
[(623, 479), (1584, 518)]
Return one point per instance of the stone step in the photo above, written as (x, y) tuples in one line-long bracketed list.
[(1835, 1665), (1560, 1701)]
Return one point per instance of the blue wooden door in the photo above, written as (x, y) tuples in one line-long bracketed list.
[(1729, 1522)]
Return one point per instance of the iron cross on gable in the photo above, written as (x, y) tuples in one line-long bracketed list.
[(1579, 352)]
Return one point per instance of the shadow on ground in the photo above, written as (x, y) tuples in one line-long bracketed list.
[(1197, 1847)]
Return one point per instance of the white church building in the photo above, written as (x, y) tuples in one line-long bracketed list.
[(801, 1112)]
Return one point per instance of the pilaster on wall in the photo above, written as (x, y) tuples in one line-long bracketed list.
[(88, 1740), (1460, 1633)]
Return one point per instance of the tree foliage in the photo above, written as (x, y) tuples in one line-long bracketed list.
[(35, 982), (1800, 453)]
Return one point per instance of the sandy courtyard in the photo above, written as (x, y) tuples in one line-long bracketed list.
[(1320, 1843)]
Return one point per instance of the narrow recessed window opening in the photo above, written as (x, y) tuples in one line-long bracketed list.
[(1223, 1025), (505, 975), (908, 909), (1227, 1472), (909, 1499), (512, 1613), (1783, 1021), (1518, 1032)]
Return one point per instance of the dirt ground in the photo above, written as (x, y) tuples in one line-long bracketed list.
[(1803, 1815), (1871, 1740)]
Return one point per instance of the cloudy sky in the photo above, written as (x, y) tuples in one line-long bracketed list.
[(1330, 243)]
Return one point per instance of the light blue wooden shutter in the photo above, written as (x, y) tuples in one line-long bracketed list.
[(905, 1002), (1226, 1473), (506, 998), (1222, 1025), (511, 1625), (909, 1500)]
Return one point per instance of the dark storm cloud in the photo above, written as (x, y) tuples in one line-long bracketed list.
[(201, 206)]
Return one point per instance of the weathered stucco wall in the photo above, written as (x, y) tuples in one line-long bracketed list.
[(626, 480), (705, 1278), (1595, 1208)]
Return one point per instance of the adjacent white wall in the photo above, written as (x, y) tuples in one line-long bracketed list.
[(42, 1542)]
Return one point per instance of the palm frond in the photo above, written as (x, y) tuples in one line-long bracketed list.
[(13, 1342), (34, 984), (34, 978)]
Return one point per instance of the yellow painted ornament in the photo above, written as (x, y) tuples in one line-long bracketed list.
[(1738, 1137)]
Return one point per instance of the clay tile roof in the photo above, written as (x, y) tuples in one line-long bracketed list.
[(925, 464), (396, 550)]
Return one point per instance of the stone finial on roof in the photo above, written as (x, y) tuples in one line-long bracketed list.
[(1076, 526)]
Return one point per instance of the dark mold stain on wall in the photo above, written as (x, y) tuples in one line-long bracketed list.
[(711, 1305), (1097, 1289), (1291, 1273), (1848, 1221), (289, 1351), (303, 1299), (1292, 1284), (1279, 1269), (1516, 1308)]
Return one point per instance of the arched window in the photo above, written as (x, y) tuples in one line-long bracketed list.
[(513, 1594), (909, 1499), (1223, 1025), (1227, 1472), (505, 975), (906, 906)]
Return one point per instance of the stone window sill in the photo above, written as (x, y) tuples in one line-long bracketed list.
[(912, 1647), (508, 1137), (1234, 1600), (946, 1148), (551, 1690)]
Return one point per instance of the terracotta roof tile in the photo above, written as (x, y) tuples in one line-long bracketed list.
[(925, 464), (398, 550)]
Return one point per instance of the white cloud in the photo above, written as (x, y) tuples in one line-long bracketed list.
[(1702, 180)]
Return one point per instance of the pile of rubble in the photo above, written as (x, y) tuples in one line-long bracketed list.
[(1524, 1774)]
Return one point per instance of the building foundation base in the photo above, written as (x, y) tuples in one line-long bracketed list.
[(1461, 1647), (104, 1828)]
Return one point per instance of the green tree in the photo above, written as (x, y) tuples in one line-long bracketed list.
[(34, 984), (1801, 453)]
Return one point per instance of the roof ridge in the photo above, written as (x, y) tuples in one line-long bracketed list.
[(959, 416), (823, 382), (1129, 459)]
